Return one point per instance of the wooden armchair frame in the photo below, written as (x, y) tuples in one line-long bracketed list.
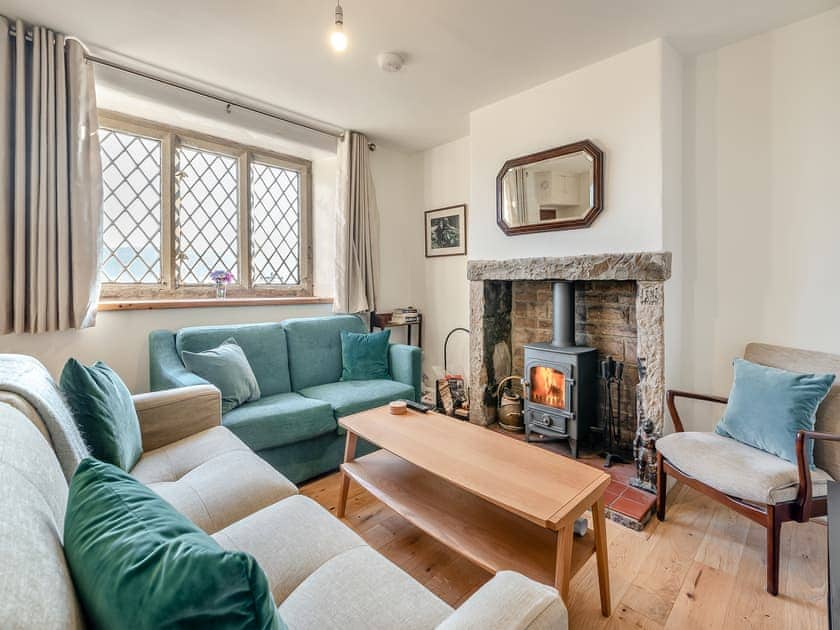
[(769, 516)]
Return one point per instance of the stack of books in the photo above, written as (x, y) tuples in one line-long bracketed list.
[(407, 315)]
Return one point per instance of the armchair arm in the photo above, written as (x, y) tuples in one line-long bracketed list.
[(406, 366), (512, 601), (173, 414), (805, 494), (673, 394)]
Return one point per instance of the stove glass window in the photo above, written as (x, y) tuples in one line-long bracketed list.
[(548, 387)]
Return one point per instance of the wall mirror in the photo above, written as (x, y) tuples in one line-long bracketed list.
[(557, 189)]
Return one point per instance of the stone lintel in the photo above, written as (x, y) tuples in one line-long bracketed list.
[(639, 266)]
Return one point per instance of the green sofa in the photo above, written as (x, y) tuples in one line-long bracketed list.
[(297, 362)]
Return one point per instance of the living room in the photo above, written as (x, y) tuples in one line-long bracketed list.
[(592, 242)]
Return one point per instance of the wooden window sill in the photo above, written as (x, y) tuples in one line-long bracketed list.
[(148, 305)]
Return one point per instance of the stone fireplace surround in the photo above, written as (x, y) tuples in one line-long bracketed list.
[(506, 305)]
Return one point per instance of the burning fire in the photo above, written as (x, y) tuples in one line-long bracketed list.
[(548, 387)]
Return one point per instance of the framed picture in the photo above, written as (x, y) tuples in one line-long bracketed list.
[(446, 231)]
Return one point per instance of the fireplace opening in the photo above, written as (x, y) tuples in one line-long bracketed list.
[(561, 384), (548, 386)]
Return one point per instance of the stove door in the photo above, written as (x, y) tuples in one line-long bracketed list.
[(550, 385)]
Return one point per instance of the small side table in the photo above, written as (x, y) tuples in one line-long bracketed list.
[(383, 320)]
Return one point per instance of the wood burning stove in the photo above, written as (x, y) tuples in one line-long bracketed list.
[(560, 378)]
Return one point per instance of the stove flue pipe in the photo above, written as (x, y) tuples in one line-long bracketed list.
[(563, 322)]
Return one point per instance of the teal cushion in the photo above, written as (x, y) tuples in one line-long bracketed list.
[(104, 411), (280, 419), (315, 348), (226, 367), (364, 356), (768, 407), (263, 344), (137, 563), (348, 397)]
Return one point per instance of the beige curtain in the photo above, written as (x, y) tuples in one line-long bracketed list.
[(357, 228), (51, 201)]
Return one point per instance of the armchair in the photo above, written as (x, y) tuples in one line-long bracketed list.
[(766, 489)]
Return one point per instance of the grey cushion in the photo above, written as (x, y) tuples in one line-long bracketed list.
[(290, 540), (226, 367), (358, 590), (737, 469), (279, 420)]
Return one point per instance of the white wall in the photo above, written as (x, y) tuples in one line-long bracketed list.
[(617, 104), (762, 129), (446, 303)]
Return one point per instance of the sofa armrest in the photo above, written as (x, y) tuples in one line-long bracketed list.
[(173, 414), (166, 370), (512, 601), (406, 366)]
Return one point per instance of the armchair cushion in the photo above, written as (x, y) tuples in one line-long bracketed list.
[(736, 469), (769, 406)]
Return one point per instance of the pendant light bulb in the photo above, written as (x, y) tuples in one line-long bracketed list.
[(338, 38)]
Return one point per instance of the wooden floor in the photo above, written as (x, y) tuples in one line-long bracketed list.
[(702, 568)]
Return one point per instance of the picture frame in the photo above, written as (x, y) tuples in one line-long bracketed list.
[(446, 231)]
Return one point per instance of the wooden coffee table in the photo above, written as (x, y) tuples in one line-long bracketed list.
[(502, 503)]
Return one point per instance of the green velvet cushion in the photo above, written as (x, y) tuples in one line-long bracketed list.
[(348, 397), (280, 419), (364, 356), (227, 368), (137, 563), (768, 407), (315, 348), (104, 411), (264, 345)]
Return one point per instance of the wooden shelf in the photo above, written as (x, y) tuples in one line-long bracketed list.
[(488, 535)]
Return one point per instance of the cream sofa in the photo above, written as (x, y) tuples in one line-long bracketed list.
[(321, 573)]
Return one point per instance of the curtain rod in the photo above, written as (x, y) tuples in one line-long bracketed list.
[(227, 101)]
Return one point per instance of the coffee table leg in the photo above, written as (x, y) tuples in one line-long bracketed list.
[(599, 525), (349, 456), (563, 563)]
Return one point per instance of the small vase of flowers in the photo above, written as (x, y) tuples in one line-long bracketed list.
[(222, 278)]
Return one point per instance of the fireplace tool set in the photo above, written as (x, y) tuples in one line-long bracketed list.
[(611, 373)]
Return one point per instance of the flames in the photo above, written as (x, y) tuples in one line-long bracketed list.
[(548, 387)]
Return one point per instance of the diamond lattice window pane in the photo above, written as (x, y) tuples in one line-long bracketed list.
[(275, 225), (207, 214), (131, 179)]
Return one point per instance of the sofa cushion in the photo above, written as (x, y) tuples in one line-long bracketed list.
[(737, 469), (769, 406), (104, 412), (227, 368), (364, 356), (303, 537), (315, 348), (138, 563), (347, 397), (264, 346), (280, 419), (35, 584), (213, 478), (365, 591)]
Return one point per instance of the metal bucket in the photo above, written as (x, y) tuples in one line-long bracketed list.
[(509, 406)]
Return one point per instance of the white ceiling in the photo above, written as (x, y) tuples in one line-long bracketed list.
[(461, 54)]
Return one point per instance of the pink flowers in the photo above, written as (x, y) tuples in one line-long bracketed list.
[(222, 276)]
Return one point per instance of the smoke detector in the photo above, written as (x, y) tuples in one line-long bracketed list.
[(390, 61)]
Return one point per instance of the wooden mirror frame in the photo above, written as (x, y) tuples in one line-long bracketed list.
[(588, 147)]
